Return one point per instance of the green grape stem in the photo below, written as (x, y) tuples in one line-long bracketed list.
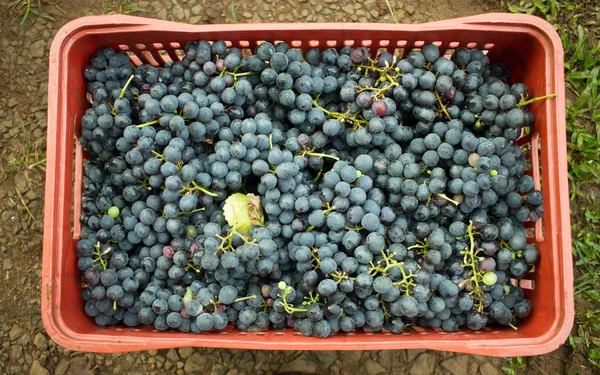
[(318, 175), (516, 253), (422, 247), (144, 183), (379, 92), (191, 212), (524, 103), (194, 187), (126, 85), (159, 156), (328, 208), (356, 228), (311, 299), (288, 307), (339, 276), (311, 152), (470, 260), (244, 298), (444, 196), (99, 255), (316, 262), (406, 283), (234, 73), (388, 73), (140, 126), (386, 314), (226, 244), (343, 117), (192, 266), (442, 106)]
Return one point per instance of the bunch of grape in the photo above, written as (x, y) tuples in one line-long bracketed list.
[(324, 192)]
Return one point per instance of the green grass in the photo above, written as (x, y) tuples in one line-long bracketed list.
[(28, 7), (233, 12), (576, 24), (123, 7), (513, 365), (27, 156)]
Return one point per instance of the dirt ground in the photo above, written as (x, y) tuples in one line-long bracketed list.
[(25, 347)]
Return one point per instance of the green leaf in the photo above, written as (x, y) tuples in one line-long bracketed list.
[(243, 211)]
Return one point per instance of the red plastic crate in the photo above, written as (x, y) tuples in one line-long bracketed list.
[(527, 45)]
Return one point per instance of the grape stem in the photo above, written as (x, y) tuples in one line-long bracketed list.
[(235, 74), (406, 283), (343, 117), (144, 183), (470, 260), (385, 75), (315, 261), (159, 156), (386, 314), (419, 245), (318, 175), (193, 187), (140, 126), (339, 276), (311, 299), (515, 253), (192, 266), (289, 308), (227, 241), (379, 92), (328, 208), (356, 228), (192, 211), (442, 106), (533, 100), (442, 195), (99, 255), (126, 85), (310, 152), (244, 298)]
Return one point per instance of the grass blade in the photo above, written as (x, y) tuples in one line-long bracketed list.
[(233, 15), (24, 16)]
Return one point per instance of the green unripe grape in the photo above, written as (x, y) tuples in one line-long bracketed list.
[(114, 212), (191, 231), (490, 278), (189, 295)]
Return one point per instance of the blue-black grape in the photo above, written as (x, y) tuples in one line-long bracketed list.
[(408, 188)]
